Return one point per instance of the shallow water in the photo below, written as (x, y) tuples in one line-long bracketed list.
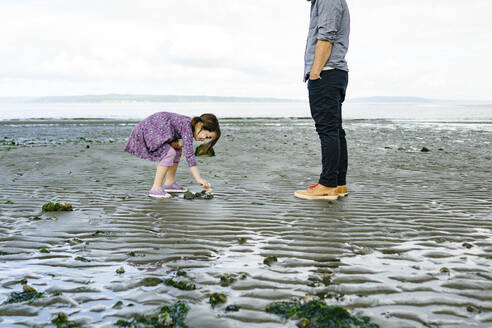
[(386, 247)]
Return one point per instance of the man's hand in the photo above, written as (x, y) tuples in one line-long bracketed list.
[(314, 75), (176, 145)]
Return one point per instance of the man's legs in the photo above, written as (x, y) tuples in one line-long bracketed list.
[(325, 99)]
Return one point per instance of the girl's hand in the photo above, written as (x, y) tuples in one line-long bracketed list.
[(176, 145), (203, 183)]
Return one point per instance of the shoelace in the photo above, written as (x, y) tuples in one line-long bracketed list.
[(314, 186)]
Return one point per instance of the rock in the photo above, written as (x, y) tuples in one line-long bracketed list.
[(425, 150), (208, 196), (181, 284), (444, 270), (467, 245), (120, 270), (269, 260), (189, 195), (53, 207), (118, 305), (227, 279), (82, 259), (232, 308), (217, 298), (61, 321), (28, 288)]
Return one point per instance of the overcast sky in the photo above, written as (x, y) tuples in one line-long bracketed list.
[(424, 48)]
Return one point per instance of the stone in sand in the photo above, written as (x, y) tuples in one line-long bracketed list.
[(269, 260), (53, 207), (217, 298), (189, 195)]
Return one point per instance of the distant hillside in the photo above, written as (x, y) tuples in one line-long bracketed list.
[(116, 98), (396, 100)]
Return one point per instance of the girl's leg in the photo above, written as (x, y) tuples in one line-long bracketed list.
[(166, 163), (159, 176), (171, 173)]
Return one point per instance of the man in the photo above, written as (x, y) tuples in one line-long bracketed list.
[(326, 71)]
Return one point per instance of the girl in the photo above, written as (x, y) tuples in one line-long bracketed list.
[(156, 139)]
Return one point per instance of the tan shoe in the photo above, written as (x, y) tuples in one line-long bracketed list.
[(342, 191), (318, 191)]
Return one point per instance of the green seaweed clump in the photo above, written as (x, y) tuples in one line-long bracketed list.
[(204, 150), (317, 314), (82, 259), (3, 253), (28, 294), (180, 284), (227, 279), (168, 317), (61, 321), (53, 207), (217, 298)]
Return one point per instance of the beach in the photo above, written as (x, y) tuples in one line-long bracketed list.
[(411, 246)]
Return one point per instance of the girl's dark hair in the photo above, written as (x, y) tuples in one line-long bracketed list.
[(210, 123)]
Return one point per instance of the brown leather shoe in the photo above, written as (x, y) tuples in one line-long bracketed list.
[(342, 191), (318, 191)]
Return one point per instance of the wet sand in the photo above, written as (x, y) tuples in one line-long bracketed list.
[(411, 246)]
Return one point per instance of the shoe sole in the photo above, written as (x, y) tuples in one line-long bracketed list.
[(159, 196), (315, 197), (343, 194), (175, 190)]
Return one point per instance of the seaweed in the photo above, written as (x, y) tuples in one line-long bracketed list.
[(28, 294), (44, 250), (53, 207), (180, 284), (61, 321), (317, 314), (202, 150), (9, 202), (120, 270), (3, 253), (82, 259), (217, 298), (168, 317)]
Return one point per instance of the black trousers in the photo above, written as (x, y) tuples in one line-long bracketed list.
[(326, 96)]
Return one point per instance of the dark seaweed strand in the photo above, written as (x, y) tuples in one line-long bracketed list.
[(177, 312), (320, 315)]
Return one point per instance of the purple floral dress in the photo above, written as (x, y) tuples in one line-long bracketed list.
[(151, 138)]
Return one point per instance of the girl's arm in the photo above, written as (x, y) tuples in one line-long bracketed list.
[(196, 175)]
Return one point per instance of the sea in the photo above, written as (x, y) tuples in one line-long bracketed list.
[(424, 112)]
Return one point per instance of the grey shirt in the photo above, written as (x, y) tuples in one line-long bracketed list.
[(330, 21)]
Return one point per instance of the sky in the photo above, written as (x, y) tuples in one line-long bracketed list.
[(423, 48)]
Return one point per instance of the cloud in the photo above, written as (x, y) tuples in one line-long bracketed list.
[(432, 48)]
